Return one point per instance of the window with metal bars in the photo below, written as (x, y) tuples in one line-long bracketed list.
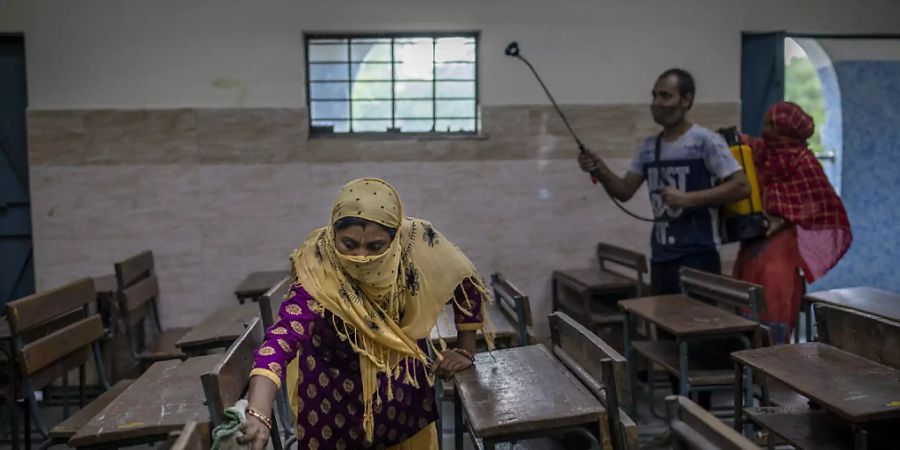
[(392, 83)]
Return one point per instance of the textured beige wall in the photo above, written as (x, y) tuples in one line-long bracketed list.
[(217, 193)]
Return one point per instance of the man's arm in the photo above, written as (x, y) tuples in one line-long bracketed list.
[(621, 189), (735, 187)]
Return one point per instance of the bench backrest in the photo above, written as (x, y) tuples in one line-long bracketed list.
[(872, 337), (514, 305), (227, 382), (724, 291), (634, 263), (601, 369), (54, 330), (270, 302)]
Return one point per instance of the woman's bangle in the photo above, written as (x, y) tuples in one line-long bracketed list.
[(265, 420), (465, 353)]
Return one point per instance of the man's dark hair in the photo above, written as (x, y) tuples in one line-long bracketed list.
[(686, 83)]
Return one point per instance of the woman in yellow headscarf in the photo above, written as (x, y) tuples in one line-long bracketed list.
[(368, 288)]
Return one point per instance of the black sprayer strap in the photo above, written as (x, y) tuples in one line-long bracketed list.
[(658, 146)]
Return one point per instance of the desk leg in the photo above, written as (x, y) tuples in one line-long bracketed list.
[(683, 385), (632, 364), (809, 311), (11, 402), (554, 294), (738, 397), (748, 394), (439, 401), (458, 426), (860, 439)]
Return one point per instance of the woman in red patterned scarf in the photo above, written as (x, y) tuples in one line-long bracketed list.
[(808, 226)]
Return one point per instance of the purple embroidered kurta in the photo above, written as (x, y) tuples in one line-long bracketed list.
[(329, 388)]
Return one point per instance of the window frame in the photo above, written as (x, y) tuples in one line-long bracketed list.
[(393, 133)]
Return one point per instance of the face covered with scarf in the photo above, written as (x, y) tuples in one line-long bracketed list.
[(388, 291), (787, 126), (796, 188)]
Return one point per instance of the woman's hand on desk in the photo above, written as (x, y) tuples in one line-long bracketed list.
[(451, 361)]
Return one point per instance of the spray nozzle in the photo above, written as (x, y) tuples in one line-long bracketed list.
[(512, 49)]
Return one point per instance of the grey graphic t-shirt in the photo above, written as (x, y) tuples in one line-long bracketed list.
[(698, 160)]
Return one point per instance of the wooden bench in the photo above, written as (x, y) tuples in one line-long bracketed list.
[(257, 283), (860, 333), (194, 436), (514, 305), (165, 398), (218, 330), (601, 369), (589, 295), (856, 395), (138, 291), (690, 318), (521, 393), (694, 428), (55, 332), (873, 301), (228, 381)]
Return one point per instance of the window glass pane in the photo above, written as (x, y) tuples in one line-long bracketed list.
[(455, 71), (327, 72), (327, 90), (454, 125), (415, 109), (371, 51), (327, 52), (413, 89), (454, 49), (414, 59), (330, 110), (371, 125), (367, 109), (415, 126), (371, 71), (455, 108), (455, 89), (368, 90)]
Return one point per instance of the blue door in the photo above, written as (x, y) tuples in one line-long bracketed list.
[(762, 77), (16, 267)]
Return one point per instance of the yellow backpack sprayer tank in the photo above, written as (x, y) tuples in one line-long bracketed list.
[(743, 219)]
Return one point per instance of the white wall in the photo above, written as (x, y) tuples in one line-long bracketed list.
[(172, 53), (861, 49)]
